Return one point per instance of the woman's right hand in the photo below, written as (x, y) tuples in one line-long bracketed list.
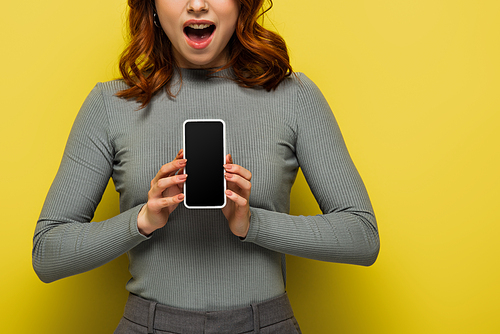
[(163, 196)]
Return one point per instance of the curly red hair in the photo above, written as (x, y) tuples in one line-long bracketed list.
[(258, 57)]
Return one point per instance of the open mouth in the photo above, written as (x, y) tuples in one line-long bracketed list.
[(199, 33)]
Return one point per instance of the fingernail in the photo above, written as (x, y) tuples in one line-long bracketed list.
[(180, 197), (182, 162), (182, 177), (229, 192), (228, 166), (228, 176)]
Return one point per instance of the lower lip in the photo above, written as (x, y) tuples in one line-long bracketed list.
[(199, 45)]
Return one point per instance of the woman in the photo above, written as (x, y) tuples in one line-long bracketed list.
[(204, 270)]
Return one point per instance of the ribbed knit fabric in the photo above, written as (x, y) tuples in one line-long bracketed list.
[(195, 262)]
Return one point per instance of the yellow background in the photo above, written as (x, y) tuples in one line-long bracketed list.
[(415, 87)]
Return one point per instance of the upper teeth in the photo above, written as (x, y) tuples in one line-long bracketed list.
[(199, 26)]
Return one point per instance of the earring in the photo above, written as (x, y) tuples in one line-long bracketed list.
[(155, 20)]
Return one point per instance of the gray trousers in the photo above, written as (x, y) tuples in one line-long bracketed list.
[(142, 316)]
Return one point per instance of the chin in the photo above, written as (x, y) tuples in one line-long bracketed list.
[(201, 60)]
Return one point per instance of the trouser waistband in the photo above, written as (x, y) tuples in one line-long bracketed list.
[(162, 317)]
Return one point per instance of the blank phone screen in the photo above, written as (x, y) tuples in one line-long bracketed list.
[(204, 151)]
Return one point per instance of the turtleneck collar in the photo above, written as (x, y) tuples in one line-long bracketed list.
[(191, 74)]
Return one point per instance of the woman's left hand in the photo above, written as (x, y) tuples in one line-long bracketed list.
[(237, 209)]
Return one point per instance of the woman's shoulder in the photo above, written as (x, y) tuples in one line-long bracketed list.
[(103, 96), (301, 85), (298, 80), (111, 87)]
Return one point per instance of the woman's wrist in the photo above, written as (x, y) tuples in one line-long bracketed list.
[(142, 224)]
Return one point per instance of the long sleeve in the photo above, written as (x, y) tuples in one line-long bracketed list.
[(65, 242), (347, 231), (194, 261)]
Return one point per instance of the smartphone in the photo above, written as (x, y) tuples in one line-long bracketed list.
[(205, 151)]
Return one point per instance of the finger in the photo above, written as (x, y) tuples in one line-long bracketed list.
[(236, 169), (169, 201), (180, 171), (229, 159), (169, 169), (159, 187), (180, 154), (164, 202), (180, 185), (239, 200), (240, 182)]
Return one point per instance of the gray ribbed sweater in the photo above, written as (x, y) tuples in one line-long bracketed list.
[(195, 262)]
